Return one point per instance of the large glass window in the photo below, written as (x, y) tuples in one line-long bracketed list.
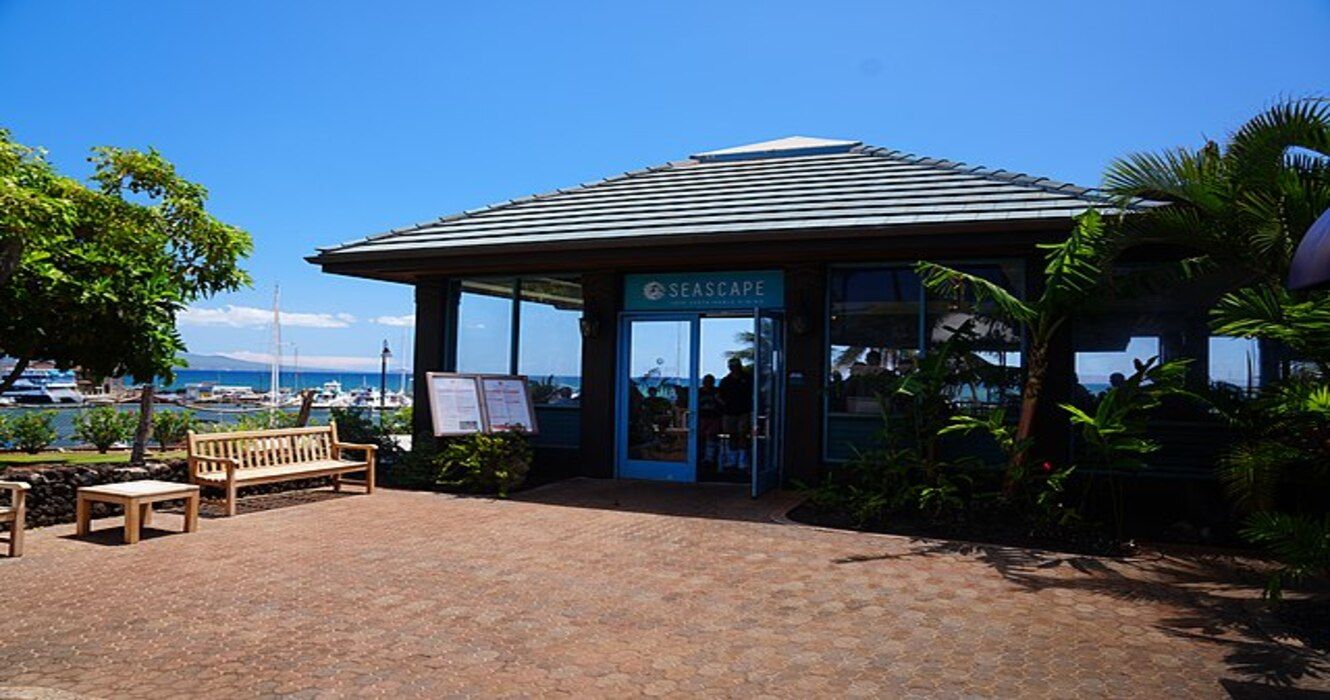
[(525, 326), (881, 322), (988, 347), (1235, 362), (485, 326), (875, 333), (550, 339)]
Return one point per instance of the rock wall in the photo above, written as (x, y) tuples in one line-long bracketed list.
[(54, 488)]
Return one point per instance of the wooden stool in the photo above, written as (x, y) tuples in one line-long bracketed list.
[(137, 497)]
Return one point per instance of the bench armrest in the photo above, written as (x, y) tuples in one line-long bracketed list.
[(228, 462), (17, 491), (369, 449)]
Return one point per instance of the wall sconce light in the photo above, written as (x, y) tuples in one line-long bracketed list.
[(799, 324), (590, 327)]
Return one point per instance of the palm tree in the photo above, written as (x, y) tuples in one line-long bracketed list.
[(1244, 206), (1076, 269)]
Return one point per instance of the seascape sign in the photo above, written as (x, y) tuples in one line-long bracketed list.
[(698, 291)]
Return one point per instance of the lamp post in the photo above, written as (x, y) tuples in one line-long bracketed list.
[(383, 378)]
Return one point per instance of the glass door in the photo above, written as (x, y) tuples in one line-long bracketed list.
[(658, 397), (768, 400)]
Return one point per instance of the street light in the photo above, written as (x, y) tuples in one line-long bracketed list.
[(383, 378)]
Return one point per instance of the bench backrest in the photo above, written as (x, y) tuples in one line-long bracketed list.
[(252, 449)]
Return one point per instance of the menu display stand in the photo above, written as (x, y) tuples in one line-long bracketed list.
[(463, 404)]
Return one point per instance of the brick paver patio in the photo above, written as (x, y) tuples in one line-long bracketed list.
[(673, 591)]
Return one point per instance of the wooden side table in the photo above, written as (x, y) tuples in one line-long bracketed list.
[(137, 497)]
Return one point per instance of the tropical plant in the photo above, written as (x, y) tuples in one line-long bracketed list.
[(485, 462), (171, 427), (1075, 271), (104, 426), (1300, 542), (1113, 434), (33, 431), (1244, 206)]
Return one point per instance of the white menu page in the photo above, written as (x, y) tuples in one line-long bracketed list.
[(507, 403), (455, 402)]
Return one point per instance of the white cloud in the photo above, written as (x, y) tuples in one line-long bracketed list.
[(343, 362), (254, 317), (406, 321)]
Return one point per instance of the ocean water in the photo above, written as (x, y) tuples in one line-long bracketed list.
[(261, 381)]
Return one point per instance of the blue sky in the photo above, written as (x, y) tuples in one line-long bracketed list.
[(317, 122)]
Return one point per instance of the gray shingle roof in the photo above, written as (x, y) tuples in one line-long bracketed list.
[(784, 185)]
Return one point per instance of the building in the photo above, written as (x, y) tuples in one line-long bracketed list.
[(793, 256)]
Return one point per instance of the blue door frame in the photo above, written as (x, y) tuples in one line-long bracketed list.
[(766, 468), (652, 469)]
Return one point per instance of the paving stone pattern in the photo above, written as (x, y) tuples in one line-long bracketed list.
[(591, 588)]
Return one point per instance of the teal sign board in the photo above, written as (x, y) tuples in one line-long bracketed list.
[(696, 291)]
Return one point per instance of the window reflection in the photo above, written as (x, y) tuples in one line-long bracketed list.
[(550, 342), (549, 338), (1235, 362), (484, 326), (881, 320), (874, 333)]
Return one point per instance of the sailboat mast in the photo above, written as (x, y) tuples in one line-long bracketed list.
[(276, 380)]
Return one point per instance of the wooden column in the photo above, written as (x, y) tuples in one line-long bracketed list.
[(435, 347), (805, 369), (600, 294)]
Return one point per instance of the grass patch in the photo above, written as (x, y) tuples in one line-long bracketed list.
[(115, 457)]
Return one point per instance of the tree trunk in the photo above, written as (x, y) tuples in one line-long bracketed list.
[(144, 432), (306, 403), (11, 252), (1030, 395), (14, 374)]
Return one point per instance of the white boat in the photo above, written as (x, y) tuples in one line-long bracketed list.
[(45, 386)]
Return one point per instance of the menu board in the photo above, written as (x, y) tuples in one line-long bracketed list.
[(462, 404), (455, 404), (508, 403)]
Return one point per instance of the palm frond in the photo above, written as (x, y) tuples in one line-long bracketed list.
[(1269, 312), (951, 282), (1259, 147)]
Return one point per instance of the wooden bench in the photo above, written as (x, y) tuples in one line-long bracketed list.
[(232, 460), (14, 514)]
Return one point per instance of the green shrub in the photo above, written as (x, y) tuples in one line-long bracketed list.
[(171, 427), (495, 463), (260, 420), (4, 430), (357, 425), (33, 431), (1299, 542), (103, 427)]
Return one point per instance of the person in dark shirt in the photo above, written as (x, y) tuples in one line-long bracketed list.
[(736, 408), (708, 420)]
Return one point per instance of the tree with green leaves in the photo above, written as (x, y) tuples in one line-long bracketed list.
[(1075, 271), (1243, 206), (93, 276)]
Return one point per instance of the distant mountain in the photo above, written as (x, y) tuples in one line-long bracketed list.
[(225, 363), (221, 363)]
